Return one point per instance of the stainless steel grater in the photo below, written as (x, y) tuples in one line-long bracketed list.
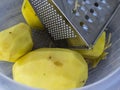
[(75, 19)]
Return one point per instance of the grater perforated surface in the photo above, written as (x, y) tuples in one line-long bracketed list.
[(56, 26), (71, 18)]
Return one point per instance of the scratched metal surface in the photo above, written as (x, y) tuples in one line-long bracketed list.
[(105, 77)]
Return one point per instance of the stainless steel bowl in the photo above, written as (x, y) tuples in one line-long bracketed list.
[(105, 77)]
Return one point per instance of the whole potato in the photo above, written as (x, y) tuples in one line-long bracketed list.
[(52, 69)]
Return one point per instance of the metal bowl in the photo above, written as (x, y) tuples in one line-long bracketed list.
[(105, 77)]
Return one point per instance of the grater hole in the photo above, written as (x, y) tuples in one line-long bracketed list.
[(81, 24), (86, 17), (74, 11), (85, 27), (91, 10), (96, 4)]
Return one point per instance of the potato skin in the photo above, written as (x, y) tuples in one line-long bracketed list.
[(52, 69), (15, 42)]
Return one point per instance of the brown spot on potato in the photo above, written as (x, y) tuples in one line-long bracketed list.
[(50, 57), (82, 81), (58, 63), (44, 74), (10, 32), (24, 6)]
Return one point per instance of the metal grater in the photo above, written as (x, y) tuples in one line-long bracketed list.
[(79, 19)]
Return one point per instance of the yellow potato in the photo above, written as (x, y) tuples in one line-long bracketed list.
[(52, 69), (97, 50), (30, 16), (15, 42)]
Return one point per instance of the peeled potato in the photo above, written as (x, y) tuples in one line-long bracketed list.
[(15, 42), (51, 69), (30, 16), (97, 50)]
